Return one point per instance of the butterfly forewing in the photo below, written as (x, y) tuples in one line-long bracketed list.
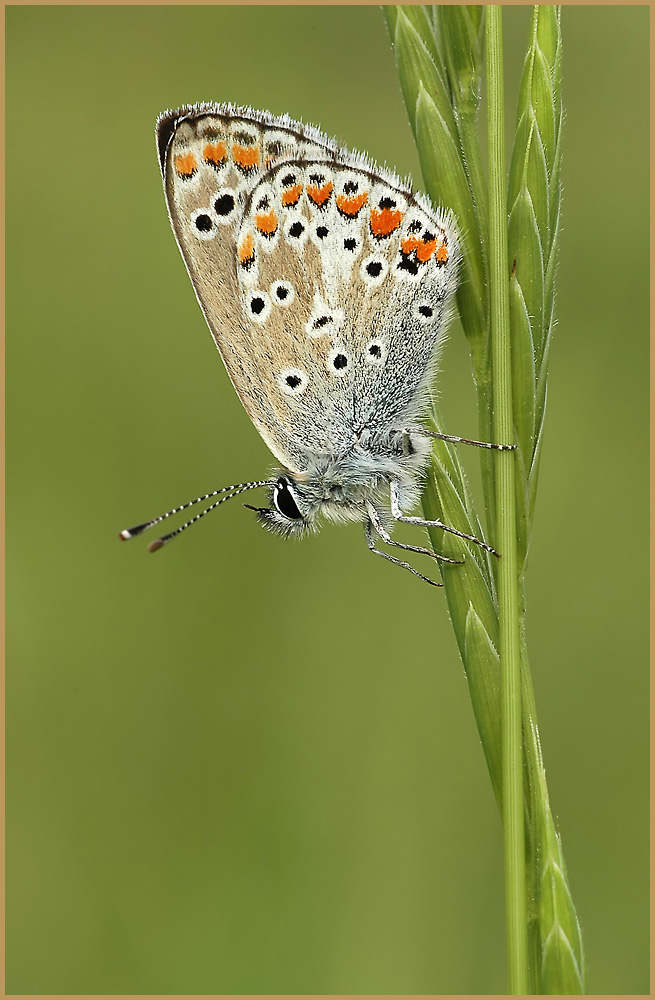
[(211, 157)]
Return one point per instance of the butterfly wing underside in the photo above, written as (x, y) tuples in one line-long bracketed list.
[(324, 280)]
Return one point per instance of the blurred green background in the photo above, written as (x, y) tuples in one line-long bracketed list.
[(246, 765)]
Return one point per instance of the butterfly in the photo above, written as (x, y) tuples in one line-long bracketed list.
[(327, 285)]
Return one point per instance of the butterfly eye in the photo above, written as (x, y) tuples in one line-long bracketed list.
[(284, 501)]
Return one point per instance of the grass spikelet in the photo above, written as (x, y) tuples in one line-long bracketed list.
[(534, 203)]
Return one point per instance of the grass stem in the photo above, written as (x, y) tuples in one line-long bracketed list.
[(510, 657)]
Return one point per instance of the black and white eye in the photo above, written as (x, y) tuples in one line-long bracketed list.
[(324, 322), (203, 224), (296, 229), (375, 352), (259, 306), (292, 381), (321, 235), (285, 501), (425, 312), (338, 362), (282, 293), (321, 322), (374, 270), (224, 204)]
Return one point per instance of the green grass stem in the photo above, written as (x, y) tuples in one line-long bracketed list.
[(510, 659)]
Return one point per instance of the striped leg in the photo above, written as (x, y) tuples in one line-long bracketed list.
[(386, 537), (369, 529), (399, 516), (457, 440)]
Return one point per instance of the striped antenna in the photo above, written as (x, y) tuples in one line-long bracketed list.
[(232, 491)]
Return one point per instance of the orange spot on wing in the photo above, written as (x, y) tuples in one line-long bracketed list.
[(245, 157), (247, 250), (215, 152), (441, 256), (266, 223), (409, 244), (425, 250), (351, 204), (185, 164), (319, 195), (291, 195), (385, 221)]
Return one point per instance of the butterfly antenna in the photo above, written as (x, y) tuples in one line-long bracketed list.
[(232, 491)]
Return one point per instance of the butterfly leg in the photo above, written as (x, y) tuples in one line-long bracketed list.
[(376, 521), (369, 529), (399, 516), (457, 440)]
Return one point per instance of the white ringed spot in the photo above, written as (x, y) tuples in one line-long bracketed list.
[(425, 312), (338, 362), (324, 322), (259, 306), (224, 205), (375, 352), (296, 230), (203, 224), (374, 270), (292, 381), (282, 293)]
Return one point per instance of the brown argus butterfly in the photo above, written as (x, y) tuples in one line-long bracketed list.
[(327, 285)]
